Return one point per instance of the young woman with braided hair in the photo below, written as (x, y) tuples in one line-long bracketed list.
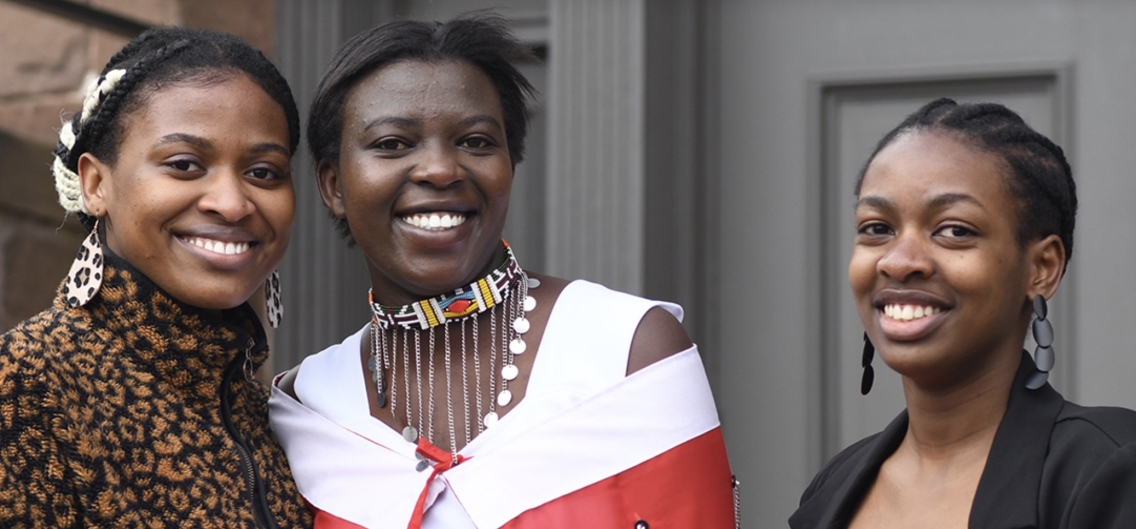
[(131, 401), (964, 228)]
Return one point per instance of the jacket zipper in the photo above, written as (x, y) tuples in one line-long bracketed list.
[(253, 486)]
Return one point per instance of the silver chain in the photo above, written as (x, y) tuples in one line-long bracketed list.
[(465, 383), (477, 373)]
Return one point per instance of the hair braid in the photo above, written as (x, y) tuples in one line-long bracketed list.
[(100, 119)]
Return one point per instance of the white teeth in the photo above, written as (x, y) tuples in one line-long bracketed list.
[(896, 311), (435, 221), (227, 248)]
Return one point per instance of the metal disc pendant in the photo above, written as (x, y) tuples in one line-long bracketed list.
[(517, 346), (1044, 358), (530, 303), (510, 372), (534, 282), (371, 364), (422, 466), (1042, 333), (381, 399), (410, 434), (1037, 379), (521, 325), (490, 419), (504, 398)]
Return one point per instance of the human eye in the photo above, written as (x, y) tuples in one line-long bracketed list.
[(955, 232), (390, 144), (874, 229), (265, 173), (478, 142), (184, 165)]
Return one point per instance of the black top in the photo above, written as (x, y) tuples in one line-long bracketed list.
[(1053, 464)]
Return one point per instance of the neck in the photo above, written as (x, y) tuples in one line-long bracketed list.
[(962, 419)]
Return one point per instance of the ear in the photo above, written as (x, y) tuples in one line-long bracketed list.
[(327, 177), (1047, 266), (95, 183)]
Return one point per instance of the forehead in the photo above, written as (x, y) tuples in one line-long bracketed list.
[(220, 87), (421, 89), (232, 106), (921, 165)]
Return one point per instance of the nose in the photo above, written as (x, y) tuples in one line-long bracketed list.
[(907, 257), (226, 196), (438, 166)]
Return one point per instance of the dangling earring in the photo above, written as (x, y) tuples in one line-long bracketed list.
[(86, 275), (273, 306), (1043, 355), (866, 363)]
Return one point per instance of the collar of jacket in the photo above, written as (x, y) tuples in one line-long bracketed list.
[(186, 346), (1007, 493)]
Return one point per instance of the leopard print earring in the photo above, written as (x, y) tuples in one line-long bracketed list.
[(274, 307), (86, 275)]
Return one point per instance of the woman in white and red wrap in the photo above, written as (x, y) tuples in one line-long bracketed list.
[(480, 395)]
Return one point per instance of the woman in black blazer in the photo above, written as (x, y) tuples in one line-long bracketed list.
[(964, 227)]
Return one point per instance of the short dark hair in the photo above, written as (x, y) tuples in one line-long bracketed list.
[(480, 39), (1039, 177), (158, 57)]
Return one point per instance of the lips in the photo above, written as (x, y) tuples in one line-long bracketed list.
[(435, 220), (904, 312), (216, 246), (222, 248), (906, 315)]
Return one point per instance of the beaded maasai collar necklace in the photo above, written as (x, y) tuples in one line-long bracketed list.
[(504, 294), (477, 297)]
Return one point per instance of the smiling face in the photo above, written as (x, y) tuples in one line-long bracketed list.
[(941, 281), (423, 177), (200, 197)]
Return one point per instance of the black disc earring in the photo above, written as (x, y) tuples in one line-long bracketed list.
[(866, 362), (1043, 355)]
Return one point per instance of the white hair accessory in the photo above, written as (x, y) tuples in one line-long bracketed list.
[(95, 97), (67, 182)]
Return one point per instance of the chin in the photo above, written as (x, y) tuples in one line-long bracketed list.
[(219, 298)]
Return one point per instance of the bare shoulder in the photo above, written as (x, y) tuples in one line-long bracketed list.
[(658, 336), (547, 288), (287, 382)]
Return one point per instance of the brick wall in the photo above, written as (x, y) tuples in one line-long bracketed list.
[(45, 63)]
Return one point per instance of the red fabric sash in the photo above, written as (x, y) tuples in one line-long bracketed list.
[(687, 486)]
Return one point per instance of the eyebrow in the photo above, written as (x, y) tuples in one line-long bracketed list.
[(202, 143), (181, 137), (390, 120), (408, 122), (481, 118), (939, 202), (262, 148)]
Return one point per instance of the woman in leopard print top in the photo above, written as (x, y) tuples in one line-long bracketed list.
[(131, 401)]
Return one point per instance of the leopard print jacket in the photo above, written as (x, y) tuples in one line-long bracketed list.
[(136, 410)]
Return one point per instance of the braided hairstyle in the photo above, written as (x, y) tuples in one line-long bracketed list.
[(157, 58), (1039, 176), (479, 39)]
